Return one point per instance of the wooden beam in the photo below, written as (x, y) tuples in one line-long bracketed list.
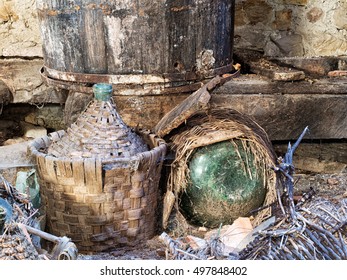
[(260, 65), (256, 84), (282, 108), (316, 66), (283, 114)]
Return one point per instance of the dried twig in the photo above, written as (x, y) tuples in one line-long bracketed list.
[(315, 231), (286, 169)]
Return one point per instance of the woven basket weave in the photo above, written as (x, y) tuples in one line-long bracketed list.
[(99, 132), (98, 203), (99, 181)]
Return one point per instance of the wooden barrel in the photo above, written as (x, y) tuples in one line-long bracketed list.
[(152, 44)]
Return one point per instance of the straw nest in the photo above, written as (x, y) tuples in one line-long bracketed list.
[(214, 126)]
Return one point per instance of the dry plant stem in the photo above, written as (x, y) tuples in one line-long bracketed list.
[(343, 245), (314, 215), (330, 214), (286, 169)]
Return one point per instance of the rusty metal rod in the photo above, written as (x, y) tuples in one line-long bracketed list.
[(41, 233)]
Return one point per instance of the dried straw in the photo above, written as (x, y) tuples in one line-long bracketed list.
[(205, 128), (317, 234)]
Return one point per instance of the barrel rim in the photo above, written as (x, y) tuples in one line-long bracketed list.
[(135, 88), (134, 78)]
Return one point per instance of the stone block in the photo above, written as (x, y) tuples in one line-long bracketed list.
[(342, 63), (321, 24), (5, 94), (283, 19), (32, 131), (240, 15), (325, 44), (49, 116), (23, 79), (250, 38), (314, 14), (14, 141), (257, 11), (19, 29), (14, 158), (340, 17), (289, 44)]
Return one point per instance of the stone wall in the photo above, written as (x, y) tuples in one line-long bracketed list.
[(19, 29), (292, 27)]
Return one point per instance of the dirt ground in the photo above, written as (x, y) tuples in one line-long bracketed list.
[(151, 250)]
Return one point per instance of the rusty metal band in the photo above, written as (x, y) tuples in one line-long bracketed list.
[(135, 78), (135, 87)]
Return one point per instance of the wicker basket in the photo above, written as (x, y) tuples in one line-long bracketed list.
[(100, 204), (100, 191)]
